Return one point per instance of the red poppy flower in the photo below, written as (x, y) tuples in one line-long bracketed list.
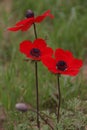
[(63, 62), (25, 24), (35, 50)]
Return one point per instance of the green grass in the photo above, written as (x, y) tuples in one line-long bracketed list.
[(67, 30)]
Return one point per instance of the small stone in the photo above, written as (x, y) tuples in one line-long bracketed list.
[(21, 107)]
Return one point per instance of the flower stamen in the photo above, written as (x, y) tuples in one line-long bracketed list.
[(61, 65), (35, 52)]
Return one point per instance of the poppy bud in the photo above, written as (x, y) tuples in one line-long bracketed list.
[(21, 107), (29, 14)]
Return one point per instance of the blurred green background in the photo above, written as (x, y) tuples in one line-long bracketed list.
[(67, 30)]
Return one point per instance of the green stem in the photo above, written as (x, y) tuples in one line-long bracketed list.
[(36, 75), (37, 95), (35, 32), (59, 98)]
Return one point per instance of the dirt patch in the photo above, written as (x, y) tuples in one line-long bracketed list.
[(85, 70), (2, 117)]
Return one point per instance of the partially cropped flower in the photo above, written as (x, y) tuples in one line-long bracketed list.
[(25, 24), (63, 62), (35, 50)]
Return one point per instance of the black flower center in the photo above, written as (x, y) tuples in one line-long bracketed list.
[(35, 52), (61, 65), (29, 14)]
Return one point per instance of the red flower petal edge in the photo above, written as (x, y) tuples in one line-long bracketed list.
[(63, 62), (25, 24), (35, 50)]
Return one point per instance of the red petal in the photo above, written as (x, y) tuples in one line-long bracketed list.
[(71, 72), (22, 22), (48, 61), (76, 63), (43, 16), (22, 25), (67, 72), (26, 27), (15, 28), (47, 13), (47, 51), (33, 58), (27, 20), (39, 43), (25, 47), (39, 19), (59, 52), (62, 55)]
